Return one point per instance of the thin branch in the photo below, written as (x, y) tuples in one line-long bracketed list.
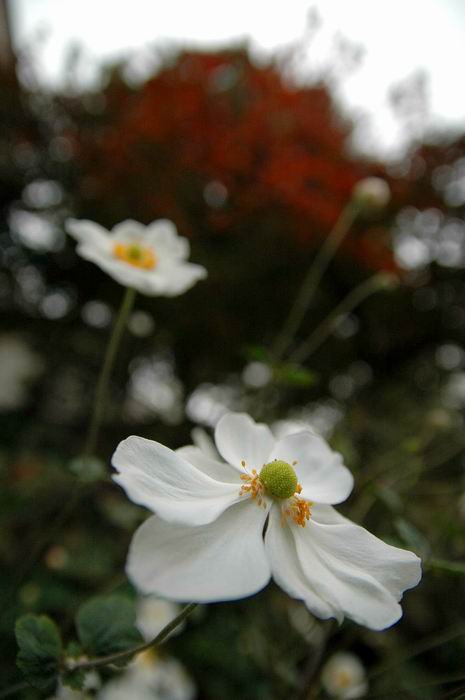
[(72, 665), (355, 297), (313, 279)]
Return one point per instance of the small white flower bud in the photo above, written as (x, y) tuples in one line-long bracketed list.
[(372, 193), (343, 676)]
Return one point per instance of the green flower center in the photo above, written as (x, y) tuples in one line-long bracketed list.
[(279, 479), (134, 252)]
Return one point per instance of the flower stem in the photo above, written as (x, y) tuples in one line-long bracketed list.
[(373, 284), (105, 373), (313, 278), (71, 665), (452, 567)]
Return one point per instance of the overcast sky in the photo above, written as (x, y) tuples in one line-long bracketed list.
[(398, 37)]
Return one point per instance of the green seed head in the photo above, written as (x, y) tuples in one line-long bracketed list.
[(279, 479), (135, 252)]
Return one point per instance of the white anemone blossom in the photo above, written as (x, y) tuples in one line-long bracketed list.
[(343, 676), (151, 259), (220, 530)]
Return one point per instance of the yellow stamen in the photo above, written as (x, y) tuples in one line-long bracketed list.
[(298, 509), (136, 255)]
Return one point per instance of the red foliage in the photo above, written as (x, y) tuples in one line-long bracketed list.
[(278, 150)]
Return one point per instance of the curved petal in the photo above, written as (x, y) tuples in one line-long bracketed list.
[(394, 568), (287, 570), (238, 438), (163, 235), (346, 586), (85, 231), (159, 479), (128, 230), (221, 471), (320, 471), (176, 278), (222, 561), (165, 280), (122, 272)]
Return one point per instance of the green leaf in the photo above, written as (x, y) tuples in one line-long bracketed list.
[(107, 625), (257, 353), (74, 680), (40, 651), (294, 375)]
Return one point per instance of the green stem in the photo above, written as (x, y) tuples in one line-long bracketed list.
[(452, 567), (105, 373), (69, 504), (355, 297), (312, 280), (71, 665)]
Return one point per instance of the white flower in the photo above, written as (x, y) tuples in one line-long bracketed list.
[(153, 614), (343, 676), (372, 193), (221, 530), (91, 682), (151, 259), (149, 677), (19, 365)]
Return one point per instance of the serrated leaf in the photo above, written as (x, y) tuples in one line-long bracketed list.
[(40, 651), (107, 625)]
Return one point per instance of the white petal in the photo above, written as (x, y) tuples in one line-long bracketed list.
[(238, 438), (344, 584), (162, 234), (222, 561), (161, 281), (176, 278), (396, 569), (159, 479), (221, 471), (124, 273), (85, 231), (287, 570), (128, 230), (320, 471)]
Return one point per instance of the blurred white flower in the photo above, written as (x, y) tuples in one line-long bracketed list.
[(256, 374), (151, 259), (372, 193), (19, 365), (343, 676), (154, 390), (153, 614), (320, 417), (454, 391), (91, 682), (206, 542), (204, 442), (209, 402), (149, 677)]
